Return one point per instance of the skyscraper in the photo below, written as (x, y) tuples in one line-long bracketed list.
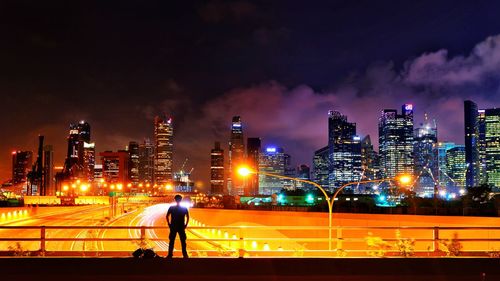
[(164, 132), (396, 142), (133, 165), (492, 147), (471, 122), (235, 183), (48, 169), (369, 159), (440, 151), (88, 157), (344, 151), (426, 168), (21, 164), (115, 166), (321, 166), (456, 166), (253, 151), (217, 170), (146, 162), (271, 160), (80, 157)]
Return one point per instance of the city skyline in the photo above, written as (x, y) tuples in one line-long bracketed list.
[(352, 66)]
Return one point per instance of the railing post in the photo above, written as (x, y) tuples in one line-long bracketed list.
[(339, 238), (436, 239), (143, 233), (241, 251), (42, 239)]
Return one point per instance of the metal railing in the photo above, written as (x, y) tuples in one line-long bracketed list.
[(253, 241)]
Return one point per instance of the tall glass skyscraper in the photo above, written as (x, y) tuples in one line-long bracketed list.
[(271, 160), (146, 162), (426, 168), (492, 146), (133, 165), (396, 141), (235, 184), (471, 122), (253, 152), (456, 167), (440, 151), (164, 133), (217, 170), (344, 149), (321, 166)]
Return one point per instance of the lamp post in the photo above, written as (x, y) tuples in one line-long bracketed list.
[(403, 179)]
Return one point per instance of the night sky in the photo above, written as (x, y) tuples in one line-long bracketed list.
[(281, 65)]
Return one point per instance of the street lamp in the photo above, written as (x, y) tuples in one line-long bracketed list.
[(402, 179)]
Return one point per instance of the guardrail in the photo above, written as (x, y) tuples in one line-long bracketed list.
[(253, 241)]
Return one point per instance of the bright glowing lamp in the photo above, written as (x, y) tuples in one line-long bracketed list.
[(405, 179), (244, 171)]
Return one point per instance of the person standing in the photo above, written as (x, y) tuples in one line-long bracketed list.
[(177, 220)]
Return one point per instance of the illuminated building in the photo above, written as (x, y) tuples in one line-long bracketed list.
[(146, 161), (164, 132), (369, 159), (48, 169), (98, 173), (182, 182), (396, 142), (492, 146), (80, 157), (253, 152), (344, 151), (456, 166), (440, 151), (304, 173), (426, 168), (115, 166), (271, 160), (21, 164), (133, 165), (88, 161), (235, 184), (471, 122), (320, 167), (217, 170)]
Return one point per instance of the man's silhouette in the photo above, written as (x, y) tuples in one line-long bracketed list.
[(177, 219)]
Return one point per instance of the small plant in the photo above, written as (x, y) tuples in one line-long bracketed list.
[(18, 250), (341, 253), (495, 253), (405, 246), (451, 247), (377, 247), (224, 252)]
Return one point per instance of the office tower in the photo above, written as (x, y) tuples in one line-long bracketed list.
[(456, 166), (217, 170), (272, 161), (440, 151), (290, 171), (146, 162), (396, 142), (303, 172), (492, 147), (321, 166), (164, 132), (88, 161), (426, 168), (48, 170), (253, 151), (369, 160), (81, 152), (344, 151), (471, 123), (235, 184), (115, 166), (21, 165), (133, 165), (481, 145)]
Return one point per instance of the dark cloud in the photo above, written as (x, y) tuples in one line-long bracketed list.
[(218, 11)]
